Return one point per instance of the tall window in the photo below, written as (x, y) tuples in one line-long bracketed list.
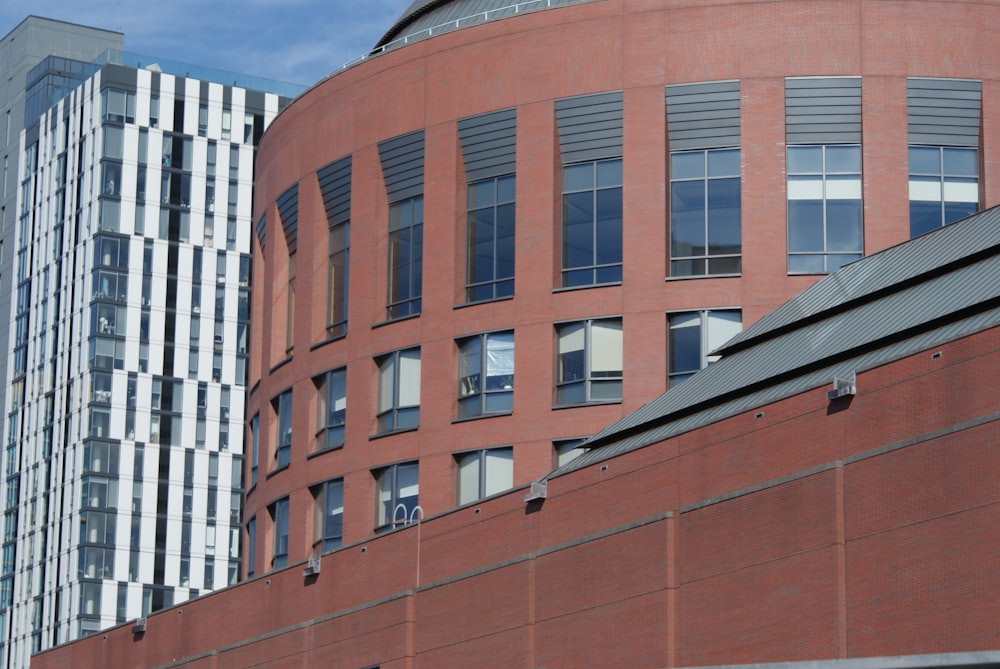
[(329, 524), (251, 546), (336, 309), (705, 212), (406, 239), (944, 186), (283, 409), (490, 271), (693, 336), (484, 472), (589, 361), (399, 390), (254, 447), (486, 374), (290, 315), (592, 223), (279, 519), (332, 394), (824, 208), (397, 488)]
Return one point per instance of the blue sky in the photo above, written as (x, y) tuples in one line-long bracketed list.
[(298, 41)]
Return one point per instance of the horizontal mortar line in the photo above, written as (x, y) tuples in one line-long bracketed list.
[(922, 521), (857, 457), (744, 567), (665, 588)]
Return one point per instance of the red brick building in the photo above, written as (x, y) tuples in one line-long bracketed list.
[(753, 515), (598, 195)]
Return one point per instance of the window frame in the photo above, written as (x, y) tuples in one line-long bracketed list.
[(490, 214), (825, 176), (406, 222), (390, 475), (338, 273), (475, 397), (282, 405), (480, 459), (565, 394), (600, 273), (330, 426), (279, 523), (942, 178), (705, 339), (323, 539), (392, 415), (707, 179)]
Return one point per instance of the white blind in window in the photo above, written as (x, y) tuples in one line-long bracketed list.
[(606, 342)]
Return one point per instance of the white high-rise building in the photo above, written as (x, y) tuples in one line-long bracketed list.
[(129, 314)]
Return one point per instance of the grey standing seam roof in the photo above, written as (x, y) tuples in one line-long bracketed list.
[(911, 297)]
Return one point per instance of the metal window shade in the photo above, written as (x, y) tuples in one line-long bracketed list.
[(606, 347), (261, 231), (402, 160), (288, 209), (409, 378), (489, 144), (703, 115), (823, 110), (335, 187), (590, 127), (943, 112)]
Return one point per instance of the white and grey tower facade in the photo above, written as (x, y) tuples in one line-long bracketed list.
[(129, 333)]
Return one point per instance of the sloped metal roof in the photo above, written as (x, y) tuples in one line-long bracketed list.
[(912, 297)]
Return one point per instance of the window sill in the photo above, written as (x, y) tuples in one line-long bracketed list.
[(556, 407), (394, 320), (276, 470), (320, 451), (280, 364), (328, 340), (389, 433), (481, 416), (477, 303), (566, 289), (702, 276)]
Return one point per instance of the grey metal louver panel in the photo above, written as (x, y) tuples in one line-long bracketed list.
[(489, 144), (944, 112), (590, 127), (823, 110), (261, 231), (403, 165), (288, 208), (335, 186), (703, 115)]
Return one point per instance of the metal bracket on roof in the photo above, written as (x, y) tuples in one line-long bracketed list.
[(539, 490), (843, 387)]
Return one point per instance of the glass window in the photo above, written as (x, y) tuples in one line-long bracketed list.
[(336, 310), (254, 447), (567, 450), (283, 410), (589, 366), (406, 239), (329, 524), (693, 335), (824, 208), (944, 186), (251, 545), (399, 390), (484, 472), (290, 315), (490, 261), (705, 212), (279, 518), (332, 394), (397, 497), (592, 223), (486, 374)]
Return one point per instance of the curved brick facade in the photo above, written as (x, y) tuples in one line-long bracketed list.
[(529, 63)]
